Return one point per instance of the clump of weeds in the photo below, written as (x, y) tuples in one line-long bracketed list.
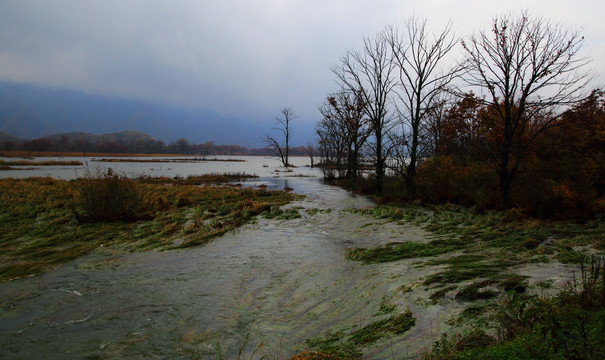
[(335, 346), (491, 242), (437, 295), (315, 211), (386, 305), (279, 214), (394, 325), (477, 253), (341, 345), (476, 291)]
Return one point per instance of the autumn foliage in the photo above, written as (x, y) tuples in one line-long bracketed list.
[(562, 173)]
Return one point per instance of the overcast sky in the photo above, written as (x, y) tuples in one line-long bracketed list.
[(239, 58)]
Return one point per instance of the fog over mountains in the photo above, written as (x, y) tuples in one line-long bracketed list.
[(31, 111)]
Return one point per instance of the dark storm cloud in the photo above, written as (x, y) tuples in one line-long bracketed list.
[(236, 57)]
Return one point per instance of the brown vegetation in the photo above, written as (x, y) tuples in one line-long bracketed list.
[(46, 222)]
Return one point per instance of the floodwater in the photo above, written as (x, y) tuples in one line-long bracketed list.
[(261, 166), (261, 290)]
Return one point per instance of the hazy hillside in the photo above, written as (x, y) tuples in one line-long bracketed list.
[(8, 137), (30, 112)]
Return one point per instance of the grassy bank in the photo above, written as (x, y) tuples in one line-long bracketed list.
[(43, 221)]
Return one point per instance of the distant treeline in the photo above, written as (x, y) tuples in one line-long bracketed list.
[(126, 142)]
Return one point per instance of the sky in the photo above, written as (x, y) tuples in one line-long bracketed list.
[(238, 58)]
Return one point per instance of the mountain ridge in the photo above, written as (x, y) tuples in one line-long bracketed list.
[(31, 111)]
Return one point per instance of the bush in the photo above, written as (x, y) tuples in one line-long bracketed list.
[(445, 178), (108, 196)]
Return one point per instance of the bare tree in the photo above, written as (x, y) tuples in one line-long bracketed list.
[(273, 144), (312, 152), (344, 117), (371, 73), (532, 71), (418, 55), (331, 147), (182, 146), (434, 126)]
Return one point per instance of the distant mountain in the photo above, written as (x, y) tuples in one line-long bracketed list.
[(30, 112), (8, 137)]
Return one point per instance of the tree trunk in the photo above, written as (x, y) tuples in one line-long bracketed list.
[(505, 179), (379, 165)]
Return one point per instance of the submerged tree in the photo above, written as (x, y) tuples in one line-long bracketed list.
[(273, 144), (532, 71)]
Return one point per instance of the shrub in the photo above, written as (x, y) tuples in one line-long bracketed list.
[(446, 178), (108, 196)]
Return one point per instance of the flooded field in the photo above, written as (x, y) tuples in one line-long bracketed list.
[(264, 289), (184, 166)]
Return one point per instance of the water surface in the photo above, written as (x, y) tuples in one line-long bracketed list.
[(275, 282), (263, 289)]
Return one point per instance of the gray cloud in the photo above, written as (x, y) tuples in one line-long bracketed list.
[(235, 57)]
